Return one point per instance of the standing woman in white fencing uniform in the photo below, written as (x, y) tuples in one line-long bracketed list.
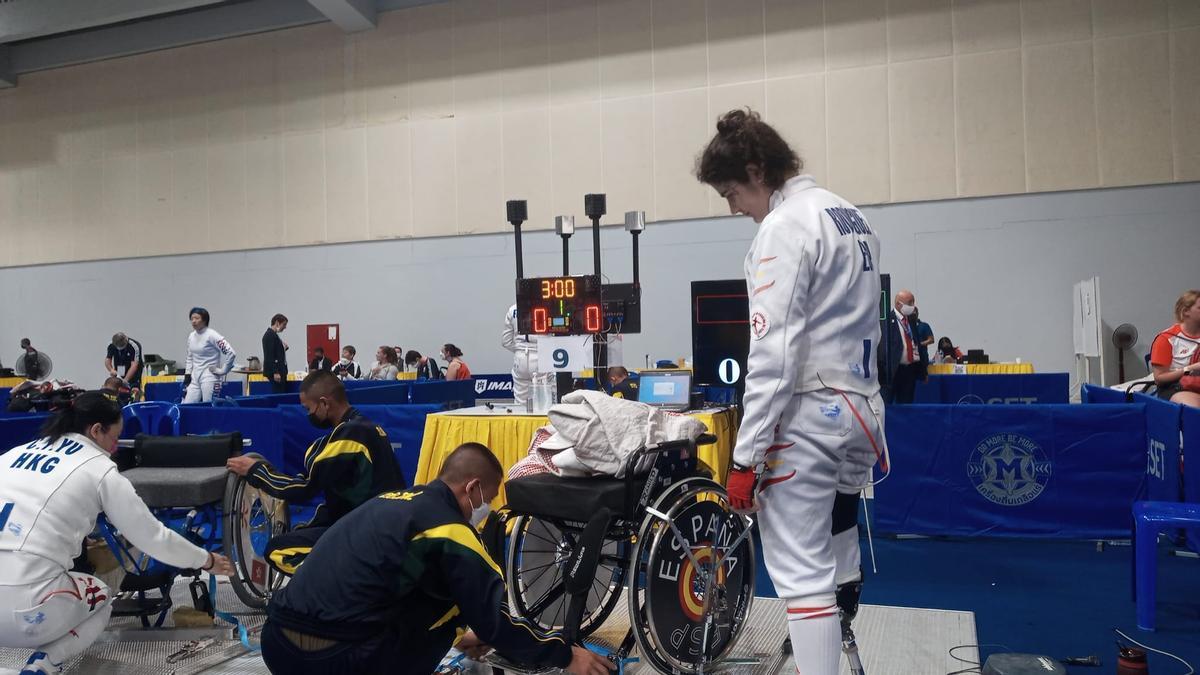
[(51, 491), (813, 413), (525, 358), (209, 359)]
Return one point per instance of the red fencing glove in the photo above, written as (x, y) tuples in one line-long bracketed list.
[(740, 487)]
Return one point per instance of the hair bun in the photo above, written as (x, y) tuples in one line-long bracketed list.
[(735, 121)]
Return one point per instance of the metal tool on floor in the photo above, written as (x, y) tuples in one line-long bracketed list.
[(190, 648)]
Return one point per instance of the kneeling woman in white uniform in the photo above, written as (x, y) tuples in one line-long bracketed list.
[(813, 413), (209, 359), (51, 491)]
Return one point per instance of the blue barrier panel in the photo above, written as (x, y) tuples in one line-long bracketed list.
[(264, 427), (1041, 388), (363, 384), (389, 394), (931, 391), (404, 425), (173, 391), (1162, 448), (1056, 471), (1038, 388), (164, 391), (456, 394), (18, 429), (493, 386), (1190, 419), (270, 401), (5, 395), (264, 388), (267, 400), (1093, 394)]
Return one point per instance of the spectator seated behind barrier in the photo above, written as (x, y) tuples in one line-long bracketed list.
[(947, 352), (320, 361), (427, 368), (386, 365), (348, 368), (1175, 354), (456, 368)]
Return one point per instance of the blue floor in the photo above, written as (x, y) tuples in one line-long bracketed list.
[(1059, 599)]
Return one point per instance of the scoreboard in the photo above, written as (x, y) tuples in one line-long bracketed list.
[(571, 305)]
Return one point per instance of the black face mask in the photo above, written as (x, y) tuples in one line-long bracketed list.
[(318, 422)]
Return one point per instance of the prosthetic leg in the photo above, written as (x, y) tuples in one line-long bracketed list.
[(847, 601), (845, 523)]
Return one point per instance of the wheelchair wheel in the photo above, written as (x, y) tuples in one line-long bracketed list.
[(689, 610), (538, 551), (252, 518)]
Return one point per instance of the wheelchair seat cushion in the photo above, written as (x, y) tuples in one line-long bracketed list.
[(187, 486), (186, 451), (549, 496)]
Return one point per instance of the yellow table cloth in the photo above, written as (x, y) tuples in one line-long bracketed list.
[(11, 382), (983, 369), (508, 437)]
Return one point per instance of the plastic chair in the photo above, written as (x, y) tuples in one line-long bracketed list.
[(1150, 518), (151, 413)]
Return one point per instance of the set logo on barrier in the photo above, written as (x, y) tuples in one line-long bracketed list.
[(1009, 469)]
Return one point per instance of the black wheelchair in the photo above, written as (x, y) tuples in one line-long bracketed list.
[(184, 482), (668, 538)]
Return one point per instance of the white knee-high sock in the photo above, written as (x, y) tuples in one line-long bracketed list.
[(816, 633)]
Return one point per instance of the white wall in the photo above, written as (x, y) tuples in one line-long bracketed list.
[(424, 125), (994, 273)]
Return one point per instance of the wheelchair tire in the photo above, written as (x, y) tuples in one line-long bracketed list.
[(252, 518), (536, 591), (667, 610)]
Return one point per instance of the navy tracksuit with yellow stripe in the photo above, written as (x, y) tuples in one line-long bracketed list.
[(392, 585), (351, 464)]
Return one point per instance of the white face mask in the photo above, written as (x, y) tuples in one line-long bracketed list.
[(479, 513), (907, 310)]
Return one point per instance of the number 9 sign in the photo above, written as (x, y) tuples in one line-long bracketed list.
[(564, 353)]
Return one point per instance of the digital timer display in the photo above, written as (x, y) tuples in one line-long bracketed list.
[(560, 305)]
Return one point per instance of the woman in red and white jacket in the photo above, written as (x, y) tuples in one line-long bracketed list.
[(1175, 352)]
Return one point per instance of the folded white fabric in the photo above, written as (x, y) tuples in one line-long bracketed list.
[(595, 432)]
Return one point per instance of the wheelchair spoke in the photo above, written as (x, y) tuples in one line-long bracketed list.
[(538, 567), (553, 595), (534, 581)]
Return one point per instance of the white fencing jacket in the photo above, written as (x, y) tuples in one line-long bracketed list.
[(50, 495), (208, 350), (813, 280)]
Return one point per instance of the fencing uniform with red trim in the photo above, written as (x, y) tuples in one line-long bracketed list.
[(812, 404), (50, 495), (210, 357)]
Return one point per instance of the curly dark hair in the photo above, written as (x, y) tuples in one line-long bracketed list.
[(743, 138)]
